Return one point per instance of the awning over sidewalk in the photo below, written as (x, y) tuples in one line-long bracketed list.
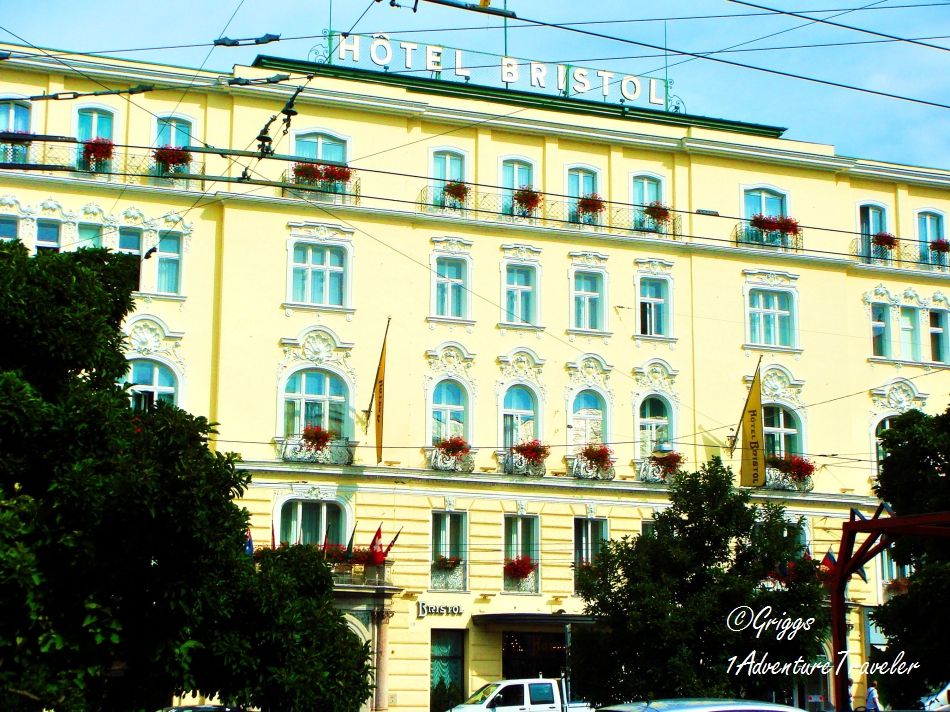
[(539, 619)]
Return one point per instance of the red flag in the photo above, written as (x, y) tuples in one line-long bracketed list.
[(376, 554), (389, 548)]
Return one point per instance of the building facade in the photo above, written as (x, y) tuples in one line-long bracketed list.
[(533, 294)]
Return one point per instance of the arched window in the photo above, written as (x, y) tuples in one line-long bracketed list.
[(878, 450), (320, 147), (588, 418), (449, 411), (764, 202), (873, 221), (654, 424), (782, 436), (150, 382), (515, 174), (15, 118), (314, 398), (930, 228), (646, 190), (581, 183), (520, 416), (308, 522), (94, 123), (173, 131), (447, 167)]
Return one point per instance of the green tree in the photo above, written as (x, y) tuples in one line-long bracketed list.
[(913, 480), (661, 601), (122, 561)]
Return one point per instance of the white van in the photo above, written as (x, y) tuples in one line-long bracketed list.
[(530, 695)]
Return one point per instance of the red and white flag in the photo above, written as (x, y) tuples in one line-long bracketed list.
[(377, 555)]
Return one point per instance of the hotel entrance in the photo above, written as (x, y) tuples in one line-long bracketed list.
[(533, 655)]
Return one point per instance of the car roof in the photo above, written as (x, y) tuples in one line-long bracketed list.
[(697, 705)]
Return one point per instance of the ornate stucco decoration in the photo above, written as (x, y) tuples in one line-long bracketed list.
[(939, 301), (10, 205), (770, 278), (655, 376), (521, 253), (898, 396), (321, 231), (451, 360), (452, 245), (306, 490), (522, 506), (880, 294), (148, 336), (654, 265), (321, 347), (591, 511), (449, 503), (521, 365), (589, 371), (779, 386), (589, 260)]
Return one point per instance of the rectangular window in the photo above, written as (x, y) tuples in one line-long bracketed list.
[(130, 243), (654, 312), (520, 294), (47, 236), (770, 318), (589, 536), (588, 300), (90, 236), (447, 661), (910, 334), (521, 540), (450, 296), (169, 262), (319, 275), (647, 527), (938, 336), (448, 551), (880, 330), (304, 522), (9, 228)]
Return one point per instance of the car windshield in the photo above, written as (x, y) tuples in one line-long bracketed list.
[(482, 695)]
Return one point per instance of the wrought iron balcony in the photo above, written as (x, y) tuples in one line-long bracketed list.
[(339, 451), (439, 460), (433, 200), (448, 579), (323, 191), (514, 463), (583, 471), (744, 235), (529, 584), (777, 480), (363, 574), (649, 471), (907, 254)]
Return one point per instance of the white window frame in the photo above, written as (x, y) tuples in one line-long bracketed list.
[(192, 138), (304, 491), (535, 555), (443, 250), (16, 221), (943, 329), (605, 300), (116, 129), (598, 179), (538, 412), (37, 245), (671, 417), (746, 187), (888, 330), (535, 175), (509, 319), (348, 419), (467, 167), (587, 547), (651, 175), (303, 397), (942, 214), (19, 99), (886, 209), (783, 282), (517, 255), (668, 301), (180, 259), (327, 268), (155, 389), (605, 422), (797, 415), (302, 233), (466, 549), (777, 314), (916, 331), (469, 408), (302, 132)]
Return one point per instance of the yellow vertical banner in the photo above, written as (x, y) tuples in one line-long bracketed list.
[(378, 397), (752, 473)]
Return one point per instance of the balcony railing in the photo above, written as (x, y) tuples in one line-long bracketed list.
[(124, 167), (324, 191), (363, 574), (444, 462), (514, 463), (433, 200), (583, 471), (745, 235), (529, 584), (443, 579), (339, 451), (649, 471), (777, 480), (907, 254)]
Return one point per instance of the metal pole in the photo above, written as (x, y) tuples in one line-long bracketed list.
[(506, 29)]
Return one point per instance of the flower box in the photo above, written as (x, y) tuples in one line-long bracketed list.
[(446, 563), (456, 190), (658, 213), (526, 200), (455, 446), (668, 463), (597, 456), (940, 245), (533, 451), (519, 568), (98, 149), (591, 204), (765, 223), (798, 469), (312, 174), (316, 438), (170, 157), (895, 587), (885, 240)]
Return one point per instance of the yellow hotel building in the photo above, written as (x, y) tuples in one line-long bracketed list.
[(264, 298)]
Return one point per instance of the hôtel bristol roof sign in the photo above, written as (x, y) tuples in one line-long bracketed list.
[(381, 53)]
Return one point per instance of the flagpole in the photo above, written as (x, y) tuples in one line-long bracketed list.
[(372, 398), (735, 439)]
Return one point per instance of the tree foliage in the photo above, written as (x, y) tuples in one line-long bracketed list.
[(913, 480), (661, 601), (122, 559)]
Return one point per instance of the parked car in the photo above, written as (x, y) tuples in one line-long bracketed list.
[(937, 701), (529, 695), (204, 708), (699, 705)]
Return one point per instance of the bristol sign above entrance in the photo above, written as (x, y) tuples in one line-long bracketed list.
[(382, 53)]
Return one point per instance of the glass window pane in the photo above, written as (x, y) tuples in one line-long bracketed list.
[(90, 236), (165, 377), (47, 232), (130, 240), (315, 383), (84, 127), (306, 147), (169, 242), (333, 150), (168, 276), (8, 228), (143, 373), (104, 125), (334, 534), (317, 281), (300, 285)]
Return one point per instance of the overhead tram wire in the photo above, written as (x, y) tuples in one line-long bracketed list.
[(841, 26)]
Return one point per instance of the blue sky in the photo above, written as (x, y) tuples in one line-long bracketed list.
[(856, 124)]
